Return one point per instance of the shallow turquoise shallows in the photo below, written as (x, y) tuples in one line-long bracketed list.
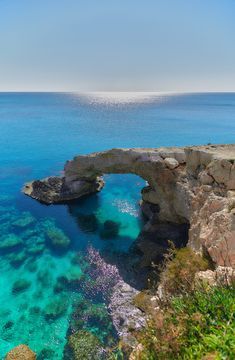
[(43, 258)]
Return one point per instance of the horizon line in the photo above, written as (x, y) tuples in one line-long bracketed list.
[(118, 91)]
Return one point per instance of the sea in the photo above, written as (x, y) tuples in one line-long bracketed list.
[(48, 283)]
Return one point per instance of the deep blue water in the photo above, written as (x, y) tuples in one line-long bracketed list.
[(38, 133)]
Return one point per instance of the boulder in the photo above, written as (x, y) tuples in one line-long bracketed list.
[(171, 163), (21, 352)]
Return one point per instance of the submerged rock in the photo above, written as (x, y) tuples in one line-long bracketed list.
[(8, 215), (31, 266), (4, 198), (35, 310), (10, 242), (59, 287), (32, 234), (7, 331), (8, 325), (20, 286), (18, 259), (21, 352), (70, 280), (26, 219), (46, 354), (56, 308), (73, 275), (87, 223), (44, 277), (110, 229), (36, 249), (57, 239), (83, 345), (94, 318)]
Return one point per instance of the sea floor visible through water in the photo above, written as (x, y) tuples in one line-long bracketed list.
[(45, 283), (44, 268)]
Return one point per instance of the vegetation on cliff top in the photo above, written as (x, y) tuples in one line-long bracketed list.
[(190, 323), (198, 326)]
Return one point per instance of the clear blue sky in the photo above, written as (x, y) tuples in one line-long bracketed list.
[(117, 45)]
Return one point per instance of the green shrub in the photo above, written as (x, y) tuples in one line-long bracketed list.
[(143, 301), (179, 270), (196, 326), (191, 323)]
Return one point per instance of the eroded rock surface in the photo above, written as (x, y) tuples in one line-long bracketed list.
[(194, 185), (125, 315), (54, 189), (21, 352)]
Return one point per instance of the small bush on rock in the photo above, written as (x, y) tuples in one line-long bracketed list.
[(179, 270), (142, 301)]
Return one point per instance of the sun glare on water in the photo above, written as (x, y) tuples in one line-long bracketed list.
[(112, 98)]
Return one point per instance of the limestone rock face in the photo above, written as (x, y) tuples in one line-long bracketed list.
[(194, 185), (205, 278), (221, 276), (124, 313), (161, 168), (21, 352)]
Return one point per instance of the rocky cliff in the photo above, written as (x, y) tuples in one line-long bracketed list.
[(194, 185)]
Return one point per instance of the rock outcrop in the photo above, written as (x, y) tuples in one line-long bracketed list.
[(194, 185), (125, 315), (21, 352), (54, 189)]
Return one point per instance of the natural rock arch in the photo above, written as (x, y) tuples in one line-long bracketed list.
[(193, 184), (162, 170)]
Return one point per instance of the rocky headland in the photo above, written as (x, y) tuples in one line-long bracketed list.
[(191, 186), (189, 199)]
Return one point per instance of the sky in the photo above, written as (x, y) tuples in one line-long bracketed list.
[(117, 45)]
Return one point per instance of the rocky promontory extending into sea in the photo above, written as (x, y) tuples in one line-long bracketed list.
[(185, 185)]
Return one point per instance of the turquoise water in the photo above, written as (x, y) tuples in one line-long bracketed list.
[(43, 284)]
